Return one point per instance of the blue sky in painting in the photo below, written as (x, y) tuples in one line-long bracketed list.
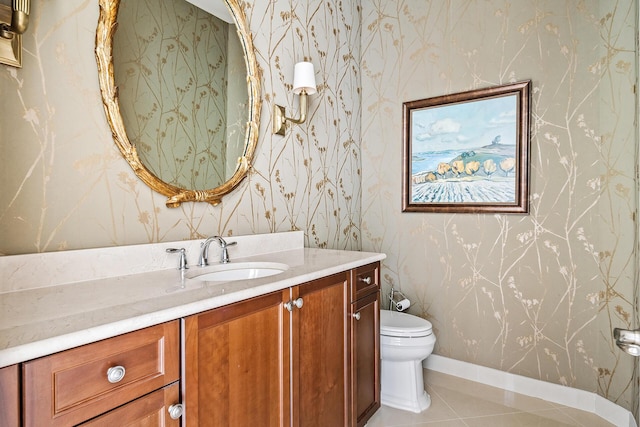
[(464, 126)]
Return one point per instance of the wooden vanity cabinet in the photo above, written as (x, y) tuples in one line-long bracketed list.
[(365, 343), (320, 353), (237, 365), (256, 362), (10, 396), (76, 385), (302, 357)]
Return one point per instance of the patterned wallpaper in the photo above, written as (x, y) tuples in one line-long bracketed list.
[(539, 294), (536, 295), (170, 65), (67, 187)]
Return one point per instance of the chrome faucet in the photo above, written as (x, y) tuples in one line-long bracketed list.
[(204, 250)]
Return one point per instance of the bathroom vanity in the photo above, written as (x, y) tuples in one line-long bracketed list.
[(286, 358), (300, 348)]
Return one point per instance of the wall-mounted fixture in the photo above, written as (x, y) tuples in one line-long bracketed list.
[(14, 21), (398, 301), (304, 84), (628, 340)]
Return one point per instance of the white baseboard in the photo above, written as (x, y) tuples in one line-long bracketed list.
[(567, 396)]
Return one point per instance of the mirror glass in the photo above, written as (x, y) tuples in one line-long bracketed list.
[(175, 67), (181, 92)]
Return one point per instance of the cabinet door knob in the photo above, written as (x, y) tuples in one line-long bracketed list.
[(356, 315), (366, 280), (175, 411), (115, 374), (296, 303)]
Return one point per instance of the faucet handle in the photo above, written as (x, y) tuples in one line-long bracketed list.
[(223, 243), (224, 256), (182, 263)]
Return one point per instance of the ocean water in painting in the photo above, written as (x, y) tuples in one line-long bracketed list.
[(429, 160)]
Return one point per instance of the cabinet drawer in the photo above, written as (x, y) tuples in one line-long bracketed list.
[(73, 386), (150, 411), (365, 280)]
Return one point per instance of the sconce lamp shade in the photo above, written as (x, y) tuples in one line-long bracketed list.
[(304, 78), (304, 84)]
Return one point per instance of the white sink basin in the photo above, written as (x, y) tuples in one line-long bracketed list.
[(240, 271)]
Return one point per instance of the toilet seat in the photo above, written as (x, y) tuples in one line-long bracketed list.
[(403, 325)]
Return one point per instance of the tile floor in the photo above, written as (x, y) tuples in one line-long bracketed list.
[(456, 402)]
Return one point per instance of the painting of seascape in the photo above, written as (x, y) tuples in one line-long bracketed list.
[(468, 153)]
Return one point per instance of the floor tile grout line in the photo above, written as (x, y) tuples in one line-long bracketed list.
[(434, 391), (511, 411), (507, 406), (572, 417)]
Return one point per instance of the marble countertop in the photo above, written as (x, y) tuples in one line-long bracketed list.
[(41, 321)]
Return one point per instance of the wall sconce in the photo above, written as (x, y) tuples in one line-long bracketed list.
[(304, 84), (14, 21)]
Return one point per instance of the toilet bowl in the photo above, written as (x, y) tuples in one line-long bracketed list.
[(405, 341)]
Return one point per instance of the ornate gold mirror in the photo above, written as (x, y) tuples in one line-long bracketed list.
[(179, 108)]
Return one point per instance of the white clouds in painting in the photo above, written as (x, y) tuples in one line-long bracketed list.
[(465, 125)]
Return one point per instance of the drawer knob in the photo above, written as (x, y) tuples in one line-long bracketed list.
[(356, 316), (296, 303), (366, 280), (115, 374), (175, 411)]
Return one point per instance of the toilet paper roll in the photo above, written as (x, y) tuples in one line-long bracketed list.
[(403, 305)]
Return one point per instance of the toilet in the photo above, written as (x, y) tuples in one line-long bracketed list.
[(405, 341)]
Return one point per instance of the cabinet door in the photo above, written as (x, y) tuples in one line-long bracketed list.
[(237, 365), (365, 358), (151, 410), (320, 379), (9, 396)]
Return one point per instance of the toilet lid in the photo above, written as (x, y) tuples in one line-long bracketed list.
[(393, 323)]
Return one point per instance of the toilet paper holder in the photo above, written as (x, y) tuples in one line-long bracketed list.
[(398, 300)]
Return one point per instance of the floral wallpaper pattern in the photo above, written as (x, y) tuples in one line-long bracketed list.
[(539, 294), (67, 187), (171, 68), (535, 295)]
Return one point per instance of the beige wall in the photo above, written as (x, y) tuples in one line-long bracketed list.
[(537, 294), (65, 185)]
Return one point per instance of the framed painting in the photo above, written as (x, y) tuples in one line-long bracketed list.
[(468, 152)]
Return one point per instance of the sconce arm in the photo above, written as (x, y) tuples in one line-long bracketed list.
[(280, 119), (303, 110), (19, 19), (14, 21)]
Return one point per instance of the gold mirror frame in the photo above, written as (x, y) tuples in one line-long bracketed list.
[(107, 24)]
